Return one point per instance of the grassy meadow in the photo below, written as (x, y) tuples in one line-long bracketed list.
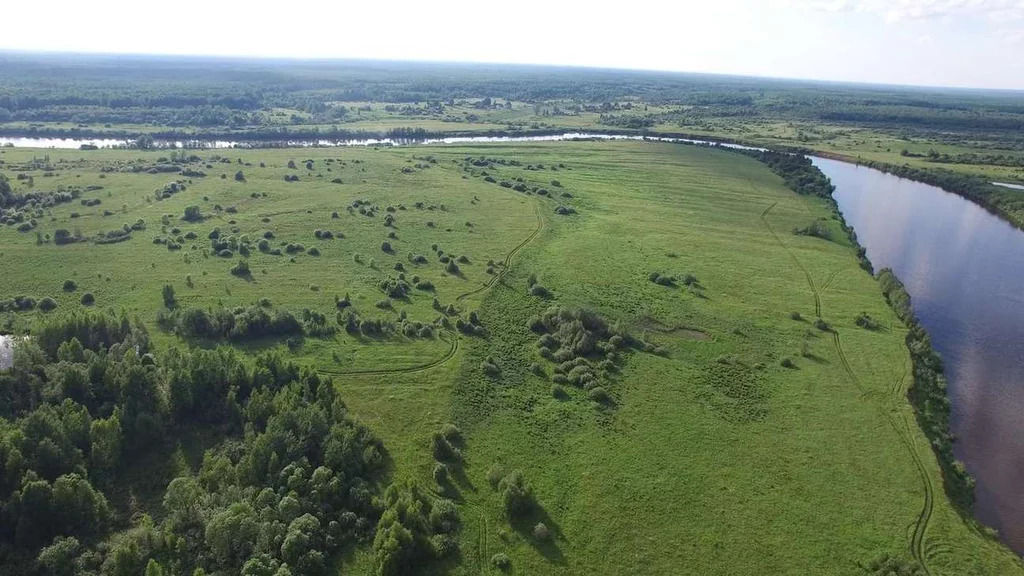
[(745, 440)]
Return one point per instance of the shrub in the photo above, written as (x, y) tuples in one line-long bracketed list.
[(501, 561), (225, 253), (47, 304), (795, 316), (541, 532), (314, 251), (490, 367), (441, 473), (241, 269), (516, 494), (494, 475), (559, 392), (451, 267), (88, 299), (787, 363), (818, 229), (661, 280), (565, 210), (386, 247), (539, 291), (192, 214), (168, 295), (822, 325), (70, 286), (867, 322), (600, 395), (443, 448)]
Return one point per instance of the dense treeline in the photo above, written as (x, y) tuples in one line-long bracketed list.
[(206, 92), (292, 480), (800, 174), (1003, 202), (928, 392)]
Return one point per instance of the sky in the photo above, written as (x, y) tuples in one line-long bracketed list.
[(963, 43)]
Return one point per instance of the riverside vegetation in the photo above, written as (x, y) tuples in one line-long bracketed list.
[(460, 360)]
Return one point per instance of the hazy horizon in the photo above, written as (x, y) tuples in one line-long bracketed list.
[(917, 43)]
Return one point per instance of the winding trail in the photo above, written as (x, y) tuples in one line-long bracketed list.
[(807, 274), (904, 432), (507, 262), (454, 347)]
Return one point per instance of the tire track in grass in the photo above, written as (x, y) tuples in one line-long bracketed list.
[(807, 274), (507, 263), (905, 434), (452, 350)]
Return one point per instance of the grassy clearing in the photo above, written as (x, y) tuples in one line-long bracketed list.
[(710, 458)]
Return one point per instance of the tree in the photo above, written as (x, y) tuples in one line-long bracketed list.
[(168, 294), (59, 558), (192, 214), (239, 176), (231, 535), (105, 450), (516, 494)]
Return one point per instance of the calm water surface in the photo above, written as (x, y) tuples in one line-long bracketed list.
[(964, 269)]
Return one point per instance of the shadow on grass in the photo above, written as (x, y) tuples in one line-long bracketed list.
[(549, 548)]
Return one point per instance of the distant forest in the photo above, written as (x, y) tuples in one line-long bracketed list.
[(225, 93)]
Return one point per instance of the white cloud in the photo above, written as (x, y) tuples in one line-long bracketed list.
[(995, 11)]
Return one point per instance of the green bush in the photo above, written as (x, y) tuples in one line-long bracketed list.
[(541, 532), (88, 299), (47, 304), (70, 286), (516, 494), (501, 561), (192, 214), (241, 269)]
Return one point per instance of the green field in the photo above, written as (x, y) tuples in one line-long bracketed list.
[(709, 456)]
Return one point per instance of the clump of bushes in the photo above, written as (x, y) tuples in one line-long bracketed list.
[(864, 320), (516, 494), (241, 269), (70, 286), (563, 210), (662, 279), (396, 288), (818, 229), (491, 367), (192, 214)]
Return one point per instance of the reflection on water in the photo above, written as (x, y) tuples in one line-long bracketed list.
[(1008, 185), (964, 269)]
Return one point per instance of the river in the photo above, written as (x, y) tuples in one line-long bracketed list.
[(964, 270), (73, 143)]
